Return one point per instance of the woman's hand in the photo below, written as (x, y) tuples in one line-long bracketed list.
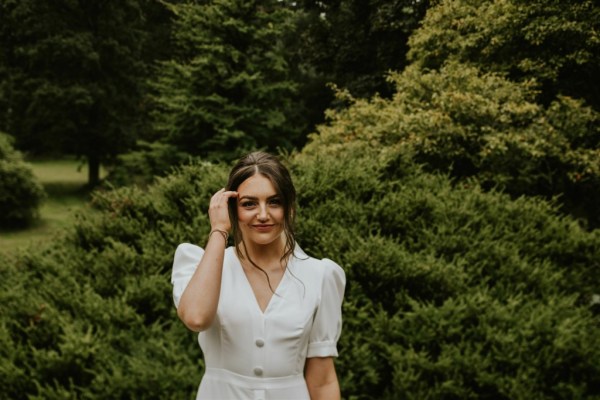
[(218, 211)]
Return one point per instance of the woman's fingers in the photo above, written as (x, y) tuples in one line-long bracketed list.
[(229, 194), (218, 211)]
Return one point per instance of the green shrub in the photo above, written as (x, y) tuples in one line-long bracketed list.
[(555, 43), (437, 272), (453, 292), (20, 192), (143, 164), (481, 126)]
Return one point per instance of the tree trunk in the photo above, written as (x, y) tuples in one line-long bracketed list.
[(93, 171)]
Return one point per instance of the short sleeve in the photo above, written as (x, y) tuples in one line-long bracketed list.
[(187, 257), (327, 324)]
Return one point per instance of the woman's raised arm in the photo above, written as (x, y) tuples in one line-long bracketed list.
[(200, 299)]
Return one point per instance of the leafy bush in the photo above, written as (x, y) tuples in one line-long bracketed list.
[(93, 316), (142, 165), (484, 127), (452, 292), (20, 192), (555, 43)]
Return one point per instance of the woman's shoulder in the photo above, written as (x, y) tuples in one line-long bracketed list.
[(184, 249), (324, 267), (190, 249)]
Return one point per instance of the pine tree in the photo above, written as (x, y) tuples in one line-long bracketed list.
[(70, 76), (228, 88)]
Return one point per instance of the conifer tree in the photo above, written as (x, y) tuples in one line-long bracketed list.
[(70, 76), (228, 87)]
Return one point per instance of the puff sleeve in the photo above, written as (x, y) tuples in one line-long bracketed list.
[(187, 257), (327, 323)]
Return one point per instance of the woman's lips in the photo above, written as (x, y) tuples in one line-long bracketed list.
[(263, 227)]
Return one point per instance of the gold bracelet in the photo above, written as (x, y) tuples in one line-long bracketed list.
[(223, 233)]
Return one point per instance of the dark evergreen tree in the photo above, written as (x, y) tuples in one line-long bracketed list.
[(71, 75), (352, 44), (228, 87), (355, 43)]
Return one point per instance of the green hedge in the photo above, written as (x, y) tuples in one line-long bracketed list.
[(20, 192), (452, 292)]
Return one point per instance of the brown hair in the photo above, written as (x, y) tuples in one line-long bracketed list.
[(270, 167)]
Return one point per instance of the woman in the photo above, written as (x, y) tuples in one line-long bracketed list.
[(269, 316)]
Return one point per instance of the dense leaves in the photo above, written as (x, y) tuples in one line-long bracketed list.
[(447, 205), (483, 126), (452, 291), (20, 192), (71, 76), (554, 42), (355, 43), (228, 88)]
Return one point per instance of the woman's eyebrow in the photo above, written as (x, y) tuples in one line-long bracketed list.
[(256, 198)]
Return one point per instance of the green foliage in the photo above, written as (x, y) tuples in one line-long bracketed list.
[(354, 43), (228, 88), (20, 192), (142, 165), (93, 317), (482, 126), (453, 292), (71, 76), (458, 286), (553, 42)]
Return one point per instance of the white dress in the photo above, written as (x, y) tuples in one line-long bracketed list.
[(249, 354)]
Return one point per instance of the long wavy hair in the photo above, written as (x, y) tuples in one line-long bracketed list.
[(270, 167)]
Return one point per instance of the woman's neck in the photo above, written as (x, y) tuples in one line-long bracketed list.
[(264, 254)]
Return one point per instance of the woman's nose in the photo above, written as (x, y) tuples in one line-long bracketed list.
[(262, 213)]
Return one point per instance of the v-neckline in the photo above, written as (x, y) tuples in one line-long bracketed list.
[(251, 290)]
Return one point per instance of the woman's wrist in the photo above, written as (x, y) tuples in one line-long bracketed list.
[(220, 232)]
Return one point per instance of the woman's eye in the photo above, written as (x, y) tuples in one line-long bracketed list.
[(247, 204), (275, 202)]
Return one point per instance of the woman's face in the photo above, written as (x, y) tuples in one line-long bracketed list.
[(260, 210)]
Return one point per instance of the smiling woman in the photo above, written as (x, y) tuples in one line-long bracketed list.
[(269, 316)]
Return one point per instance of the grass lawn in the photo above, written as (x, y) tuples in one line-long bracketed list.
[(64, 181)]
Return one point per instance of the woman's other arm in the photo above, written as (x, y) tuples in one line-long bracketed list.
[(321, 378)]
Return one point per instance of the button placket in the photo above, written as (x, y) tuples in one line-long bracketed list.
[(259, 343)]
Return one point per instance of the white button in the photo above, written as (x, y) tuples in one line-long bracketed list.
[(258, 371), (260, 342)]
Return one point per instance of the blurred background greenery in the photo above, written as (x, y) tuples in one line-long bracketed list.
[(446, 154)]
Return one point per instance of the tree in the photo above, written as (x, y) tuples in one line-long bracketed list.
[(71, 73), (355, 43), (228, 88), (483, 127), (555, 43)]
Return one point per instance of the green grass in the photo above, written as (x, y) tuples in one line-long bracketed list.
[(64, 181)]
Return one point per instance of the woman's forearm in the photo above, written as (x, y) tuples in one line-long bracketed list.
[(321, 379), (329, 391)]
